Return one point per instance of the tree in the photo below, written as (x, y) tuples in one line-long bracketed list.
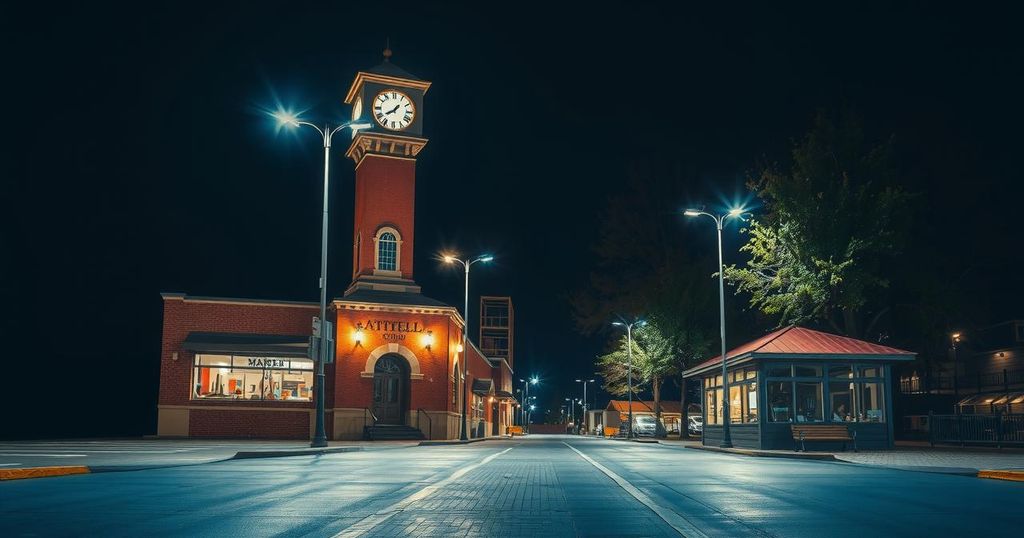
[(830, 225), (659, 351)]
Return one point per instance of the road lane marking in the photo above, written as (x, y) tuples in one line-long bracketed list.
[(8, 464), (44, 455), (368, 523), (676, 521)]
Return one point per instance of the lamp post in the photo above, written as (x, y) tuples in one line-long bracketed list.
[(572, 411), (955, 339), (465, 332), (629, 374), (326, 134), (719, 220), (526, 400), (585, 401)]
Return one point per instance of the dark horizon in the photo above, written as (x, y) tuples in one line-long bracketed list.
[(143, 162)]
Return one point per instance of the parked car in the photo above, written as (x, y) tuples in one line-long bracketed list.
[(695, 425), (644, 425)]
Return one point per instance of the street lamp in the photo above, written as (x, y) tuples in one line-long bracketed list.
[(526, 398), (719, 220), (465, 332), (955, 338), (327, 134), (629, 353), (585, 401)]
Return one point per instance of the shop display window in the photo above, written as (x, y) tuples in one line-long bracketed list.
[(235, 377)]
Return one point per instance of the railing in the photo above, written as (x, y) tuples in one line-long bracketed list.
[(997, 429), (430, 423)]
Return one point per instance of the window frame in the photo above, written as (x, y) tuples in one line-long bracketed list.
[(197, 367), (377, 269)]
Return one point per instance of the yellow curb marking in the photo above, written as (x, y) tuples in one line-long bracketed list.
[(41, 472), (1016, 476)]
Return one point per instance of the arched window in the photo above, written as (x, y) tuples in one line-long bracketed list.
[(388, 241)]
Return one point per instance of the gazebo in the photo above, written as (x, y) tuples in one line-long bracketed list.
[(797, 375)]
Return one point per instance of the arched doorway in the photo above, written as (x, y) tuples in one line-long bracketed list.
[(390, 389)]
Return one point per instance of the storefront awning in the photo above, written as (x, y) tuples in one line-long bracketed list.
[(255, 345), (483, 387), (504, 395)]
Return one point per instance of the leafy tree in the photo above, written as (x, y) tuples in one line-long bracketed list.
[(659, 352), (830, 225)]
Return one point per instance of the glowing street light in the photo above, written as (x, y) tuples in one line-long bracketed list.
[(719, 220), (449, 259), (629, 353), (526, 397), (288, 119)]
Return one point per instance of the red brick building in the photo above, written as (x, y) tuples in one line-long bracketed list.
[(239, 367)]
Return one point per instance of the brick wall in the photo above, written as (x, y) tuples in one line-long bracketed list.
[(259, 424), (182, 316), (385, 193)]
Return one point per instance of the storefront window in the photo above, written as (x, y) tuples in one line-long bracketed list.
[(804, 370), (870, 371), (750, 403), (227, 377), (840, 371), (780, 401), (840, 400), (871, 402), (808, 402), (713, 410), (735, 404)]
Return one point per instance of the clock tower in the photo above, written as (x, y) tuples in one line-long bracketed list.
[(391, 100)]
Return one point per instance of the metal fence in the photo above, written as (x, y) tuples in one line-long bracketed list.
[(996, 429)]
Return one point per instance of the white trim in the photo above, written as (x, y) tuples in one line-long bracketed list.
[(398, 251), (371, 360)]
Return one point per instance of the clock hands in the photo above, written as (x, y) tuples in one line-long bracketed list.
[(392, 111)]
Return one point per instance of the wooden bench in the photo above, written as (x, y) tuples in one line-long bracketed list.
[(822, 432)]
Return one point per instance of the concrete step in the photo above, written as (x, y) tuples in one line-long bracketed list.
[(388, 432)]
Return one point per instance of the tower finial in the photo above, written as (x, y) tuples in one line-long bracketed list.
[(387, 50)]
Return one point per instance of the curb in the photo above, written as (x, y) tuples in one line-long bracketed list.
[(1015, 476), (295, 452), (760, 454), (455, 442), (42, 472)]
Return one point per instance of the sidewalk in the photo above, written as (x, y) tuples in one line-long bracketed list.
[(947, 460), (98, 455)]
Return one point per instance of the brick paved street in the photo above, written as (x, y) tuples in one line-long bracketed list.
[(533, 486)]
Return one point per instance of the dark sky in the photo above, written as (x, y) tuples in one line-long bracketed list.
[(138, 160)]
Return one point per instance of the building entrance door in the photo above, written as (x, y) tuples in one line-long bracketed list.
[(390, 389), (495, 419)]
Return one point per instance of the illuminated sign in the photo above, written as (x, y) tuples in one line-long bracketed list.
[(392, 330)]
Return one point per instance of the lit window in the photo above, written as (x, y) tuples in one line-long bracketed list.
[(226, 377), (387, 252)]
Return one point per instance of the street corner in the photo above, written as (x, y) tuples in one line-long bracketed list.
[(42, 472), (1002, 474)]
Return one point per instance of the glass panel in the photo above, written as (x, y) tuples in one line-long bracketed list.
[(780, 401), (871, 371), (840, 371), (735, 404), (805, 370), (736, 375), (718, 381), (871, 408), (780, 370), (840, 401), (268, 378), (750, 402), (387, 248), (808, 402), (751, 373), (707, 382), (709, 407), (213, 360)]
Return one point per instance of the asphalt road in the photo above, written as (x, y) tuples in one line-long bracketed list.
[(534, 486)]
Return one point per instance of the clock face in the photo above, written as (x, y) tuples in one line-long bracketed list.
[(393, 110), (357, 108)]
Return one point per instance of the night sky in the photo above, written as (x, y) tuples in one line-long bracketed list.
[(138, 159)]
